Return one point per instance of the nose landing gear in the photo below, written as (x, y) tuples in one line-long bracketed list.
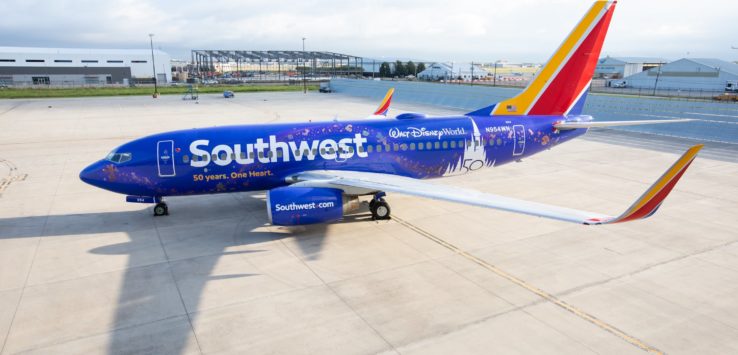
[(161, 209)]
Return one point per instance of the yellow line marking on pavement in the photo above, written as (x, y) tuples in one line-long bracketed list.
[(541, 293)]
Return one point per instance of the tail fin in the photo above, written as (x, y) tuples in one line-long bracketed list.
[(385, 105), (564, 80)]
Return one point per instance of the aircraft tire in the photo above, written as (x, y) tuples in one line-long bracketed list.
[(381, 210), (161, 209)]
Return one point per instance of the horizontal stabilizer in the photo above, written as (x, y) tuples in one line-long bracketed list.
[(601, 124)]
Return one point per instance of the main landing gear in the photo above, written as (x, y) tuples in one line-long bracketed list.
[(161, 209), (379, 207)]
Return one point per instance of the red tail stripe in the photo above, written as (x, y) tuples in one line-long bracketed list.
[(576, 73)]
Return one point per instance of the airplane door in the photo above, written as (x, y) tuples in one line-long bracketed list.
[(519, 131), (165, 158)]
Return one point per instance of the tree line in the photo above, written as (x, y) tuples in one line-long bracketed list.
[(401, 69)]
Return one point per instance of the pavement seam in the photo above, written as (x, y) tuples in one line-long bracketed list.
[(541, 293), (176, 285), (646, 268), (356, 313), (33, 259)]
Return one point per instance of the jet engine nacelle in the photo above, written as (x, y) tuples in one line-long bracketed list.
[(289, 206)]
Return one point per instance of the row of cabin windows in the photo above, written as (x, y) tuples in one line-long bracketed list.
[(371, 148)]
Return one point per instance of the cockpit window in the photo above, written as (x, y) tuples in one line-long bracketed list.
[(119, 157)]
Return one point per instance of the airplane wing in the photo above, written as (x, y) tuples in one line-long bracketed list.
[(364, 183), (596, 124)]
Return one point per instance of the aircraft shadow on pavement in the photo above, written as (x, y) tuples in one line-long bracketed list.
[(245, 218)]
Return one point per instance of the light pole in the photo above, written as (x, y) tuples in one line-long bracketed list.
[(656, 83), (153, 64), (494, 78), (304, 83)]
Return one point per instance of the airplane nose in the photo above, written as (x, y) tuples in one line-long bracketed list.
[(91, 174)]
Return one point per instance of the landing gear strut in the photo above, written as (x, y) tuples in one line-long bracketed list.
[(161, 209), (379, 207)]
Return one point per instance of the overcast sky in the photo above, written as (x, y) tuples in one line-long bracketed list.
[(516, 30)]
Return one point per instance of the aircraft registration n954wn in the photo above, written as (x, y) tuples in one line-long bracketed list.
[(315, 172)]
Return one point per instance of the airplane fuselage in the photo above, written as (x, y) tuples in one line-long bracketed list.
[(261, 157)]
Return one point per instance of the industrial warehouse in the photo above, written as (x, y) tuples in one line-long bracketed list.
[(78, 66)]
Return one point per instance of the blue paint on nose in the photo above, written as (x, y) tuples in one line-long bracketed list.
[(92, 174)]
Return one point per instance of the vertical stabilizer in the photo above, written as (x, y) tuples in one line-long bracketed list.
[(562, 83)]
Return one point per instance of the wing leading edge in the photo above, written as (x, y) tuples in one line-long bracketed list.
[(361, 182)]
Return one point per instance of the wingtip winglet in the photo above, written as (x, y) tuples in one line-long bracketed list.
[(652, 199), (384, 106)]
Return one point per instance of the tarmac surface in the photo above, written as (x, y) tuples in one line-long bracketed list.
[(83, 272)]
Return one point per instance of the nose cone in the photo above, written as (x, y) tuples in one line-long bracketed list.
[(92, 174)]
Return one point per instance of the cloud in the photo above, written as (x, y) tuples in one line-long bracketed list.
[(436, 30)]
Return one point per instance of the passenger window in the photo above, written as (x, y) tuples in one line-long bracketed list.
[(270, 154), (428, 146), (185, 158), (315, 151), (205, 157), (369, 149), (351, 149), (261, 155), (379, 148), (412, 146), (445, 144), (461, 144), (395, 147), (322, 151), (215, 156), (453, 144), (296, 153), (223, 156), (243, 155), (420, 146), (403, 146), (251, 155)]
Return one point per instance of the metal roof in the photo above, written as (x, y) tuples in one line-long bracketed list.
[(635, 59), (228, 55), (89, 51), (716, 64)]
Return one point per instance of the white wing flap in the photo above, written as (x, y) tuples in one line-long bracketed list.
[(372, 182)]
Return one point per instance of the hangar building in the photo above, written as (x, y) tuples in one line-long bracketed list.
[(687, 74), (620, 67), (80, 66), (437, 71)]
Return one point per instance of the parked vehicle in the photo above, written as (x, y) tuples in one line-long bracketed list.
[(731, 86)]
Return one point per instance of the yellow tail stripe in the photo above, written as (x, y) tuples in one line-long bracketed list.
[(688, 156), (386, 98), (524, 100)]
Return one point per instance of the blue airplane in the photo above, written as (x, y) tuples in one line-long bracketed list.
[(316, 172)]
